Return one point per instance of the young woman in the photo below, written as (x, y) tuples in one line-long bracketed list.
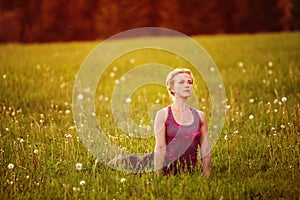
[(179, 132), (180, 129)]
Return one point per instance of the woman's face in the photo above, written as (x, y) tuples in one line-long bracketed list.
[(182, 85)]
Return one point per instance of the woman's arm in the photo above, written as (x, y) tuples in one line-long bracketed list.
[(160, 138), (205, 151)]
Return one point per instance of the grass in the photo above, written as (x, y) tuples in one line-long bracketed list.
[(256, 157)]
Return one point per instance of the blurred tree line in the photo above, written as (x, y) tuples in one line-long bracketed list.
[(66, 20)]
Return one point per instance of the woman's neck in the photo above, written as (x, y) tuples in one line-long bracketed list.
[(181, 105)]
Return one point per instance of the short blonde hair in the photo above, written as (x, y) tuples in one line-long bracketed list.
[(172, 74)]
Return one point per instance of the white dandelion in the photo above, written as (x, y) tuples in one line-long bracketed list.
[(82, 182), (241, 64), (226, 137), (270, 63), (80, 97), (78, 166), (122, 180), (283, 99), (132, 60), (128, 100), (10, 166), (251, 100)]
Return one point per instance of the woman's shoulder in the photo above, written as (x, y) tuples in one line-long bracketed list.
[(201, 115), (162, 113)]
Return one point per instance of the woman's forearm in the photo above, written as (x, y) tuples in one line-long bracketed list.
[(159, 157), (206, 164)]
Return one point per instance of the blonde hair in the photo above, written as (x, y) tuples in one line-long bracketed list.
[(172, 74)]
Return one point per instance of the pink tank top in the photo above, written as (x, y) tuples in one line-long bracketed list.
[(182, 144)]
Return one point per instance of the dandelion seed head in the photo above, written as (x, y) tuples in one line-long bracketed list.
[(36, 151), (80, 97), (67, 112), (251, 100), (275, 110), (251, 116), (283, 99), (10, 166), (78, 166), (148, 128), (275, 101), (4, 76), (82, 182), (128, 100), (122, 78), (228, 107), (282, 126), (10, 182), (240, 64), (122, 180), (226, 137), (132, 60), (270, 63), (130, 134)]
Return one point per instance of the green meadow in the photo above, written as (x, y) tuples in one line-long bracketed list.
[(257, 155)]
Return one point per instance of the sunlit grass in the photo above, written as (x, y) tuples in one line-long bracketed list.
[(257, 155)]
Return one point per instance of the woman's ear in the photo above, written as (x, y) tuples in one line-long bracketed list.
[(172, 91)]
